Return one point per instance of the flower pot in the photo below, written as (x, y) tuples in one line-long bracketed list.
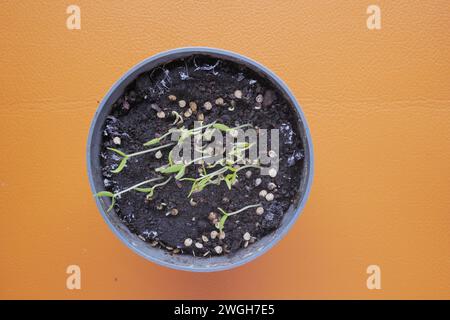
[(189, 262)]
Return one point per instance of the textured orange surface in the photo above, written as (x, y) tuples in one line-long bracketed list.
[(377, 102)]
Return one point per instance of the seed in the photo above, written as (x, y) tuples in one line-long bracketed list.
[(272, 154), (205, 238), (259, 98), (172, 97), (207, 105), (238, 94), (273, 172), (219, 101), (193, 106), (258, 182), (188, 242), (271, 186), (246, 236), (218, 249), (174, 211), (248, 174), (182, 103), (117, 140), (199, 245), (269, 196), (212, 216), (188, 113), (200, 117), (262, 193), (214, 234), (222, 235), (158, 155), (259, 211), (161, 114)]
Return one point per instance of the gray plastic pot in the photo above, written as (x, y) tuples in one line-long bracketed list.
[(186, 262)]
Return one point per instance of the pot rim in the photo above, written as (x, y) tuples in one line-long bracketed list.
[(273, 78)]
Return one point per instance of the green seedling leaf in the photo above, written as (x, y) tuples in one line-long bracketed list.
[(109, 195), (152, 142), (180, 173), (118, 152), (222, 220), (221, 127), (122, 165), (104, 194), (171, 169)]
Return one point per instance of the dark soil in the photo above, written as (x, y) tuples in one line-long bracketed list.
[(133, 118)]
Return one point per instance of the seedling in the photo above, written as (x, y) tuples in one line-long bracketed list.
[(225, 215), (126, 157), (114, 196), (150, 191)]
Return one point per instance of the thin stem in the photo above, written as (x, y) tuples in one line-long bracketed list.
[(136, 185), (149, 150), (243, 209)]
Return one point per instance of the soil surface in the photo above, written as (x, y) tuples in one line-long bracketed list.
[(134, 120)]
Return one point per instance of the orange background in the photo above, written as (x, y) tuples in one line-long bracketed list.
[(377, 102)]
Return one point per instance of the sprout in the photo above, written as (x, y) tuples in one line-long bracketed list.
[(150, 191), (125, 156), (114, 196), (225, 215)]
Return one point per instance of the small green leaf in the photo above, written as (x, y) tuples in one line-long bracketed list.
[(152, 142), (222, 220), (180, 173), (228, 181), (221, 127), (171, 169), (122, 165), (104, 194), (118, 152), (113, 202)]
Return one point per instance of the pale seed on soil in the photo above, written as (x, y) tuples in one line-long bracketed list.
[(248, 174), (182, 103), (214, 234), (172, 97), (246, 236), (207, 105), (271, 186), (117, 140), (262, 193), (269, 197), (188, 242), (221, 235), (193, 106), (188, 113), (205, 238), (259, 98), (200, 117), (238, 94), (219, 101), (161, 114), (258, 182), (259, 211), (199, 245), (212, 216), (158, 155), (218, 249)]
